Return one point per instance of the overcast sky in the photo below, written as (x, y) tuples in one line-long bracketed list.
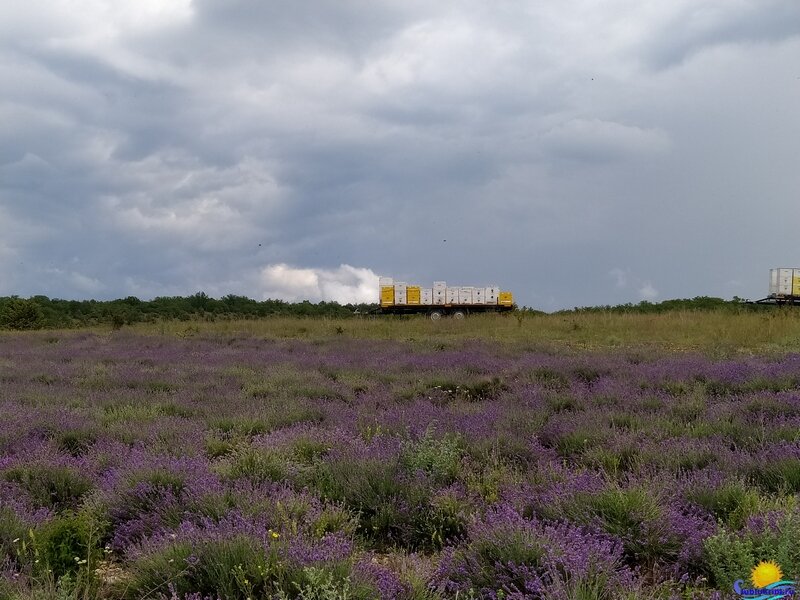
[(576, 152)]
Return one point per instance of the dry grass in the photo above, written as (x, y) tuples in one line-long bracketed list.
[(714, 332), (720, 333)]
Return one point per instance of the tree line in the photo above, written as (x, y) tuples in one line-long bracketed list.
[(41, 312), (699, 303)]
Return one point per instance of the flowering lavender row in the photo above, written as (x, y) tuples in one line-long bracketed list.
[(237, 467)]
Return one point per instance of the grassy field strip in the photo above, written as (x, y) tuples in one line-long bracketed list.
[(721, 332)]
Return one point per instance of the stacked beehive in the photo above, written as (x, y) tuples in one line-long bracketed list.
[(784, 282), (439, 293), (401, 294)]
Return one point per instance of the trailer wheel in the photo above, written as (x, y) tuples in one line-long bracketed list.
[(435, 315), (459, 315)]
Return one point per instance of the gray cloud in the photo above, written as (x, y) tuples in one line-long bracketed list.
[(700, 26), (150, 148)]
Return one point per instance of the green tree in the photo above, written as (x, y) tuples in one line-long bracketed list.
[(18, 313)]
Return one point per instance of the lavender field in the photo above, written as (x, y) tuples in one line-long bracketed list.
[(236, 466)]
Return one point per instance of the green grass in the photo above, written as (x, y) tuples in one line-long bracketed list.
[(716, 332)]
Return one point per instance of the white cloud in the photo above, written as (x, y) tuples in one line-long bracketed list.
[(648, 292), (345, 284), (450, 53)]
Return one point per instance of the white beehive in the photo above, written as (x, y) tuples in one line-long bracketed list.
[(400, 293), (465, 295), (452, 295), (479, 295), (439, 295), (491, 294), (427, 296), (781, 282), (385, 281)]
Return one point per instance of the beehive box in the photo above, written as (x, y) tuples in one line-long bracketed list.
[(465, 295), (452, 295), (479, 295), (400, 293), (491, 294), (427, 296), (387, 295), (505, 299), (413, 294), (781, 281)]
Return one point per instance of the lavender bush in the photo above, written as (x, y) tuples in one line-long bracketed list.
[(238, 467)]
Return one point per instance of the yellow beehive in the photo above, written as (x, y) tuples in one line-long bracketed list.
[(796, 283), (505, 299), (413, 294), (387, 295)]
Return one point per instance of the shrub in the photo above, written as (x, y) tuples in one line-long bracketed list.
[(76, 441), (289, 412), (779, 475), (483, 390), (216, 447), (392, 509), (633, 516), (444, 522), (731, 502), (51, 486), (503, 556), (728, 558), (550, 378), (562, 403), (237, 559), (13, 531), (69, 544), (259, 465), (613, 461), (319, 583), (146, 502), (489, 476), (588, 374), (508, 555), (574, 443), (439, 458), (774, 536), (241, 425), (235, 568), (334, 519), (307, 450)]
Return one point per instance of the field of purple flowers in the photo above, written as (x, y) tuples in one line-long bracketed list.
[(136, 466)]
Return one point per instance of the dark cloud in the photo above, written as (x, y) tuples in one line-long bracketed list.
[(573, 152), (704, 25)]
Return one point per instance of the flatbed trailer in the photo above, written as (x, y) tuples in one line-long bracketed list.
[(441, 300), (778, 301), (434, 313), (784, 287)]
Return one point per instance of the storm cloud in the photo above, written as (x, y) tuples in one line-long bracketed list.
[(574, 152)]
